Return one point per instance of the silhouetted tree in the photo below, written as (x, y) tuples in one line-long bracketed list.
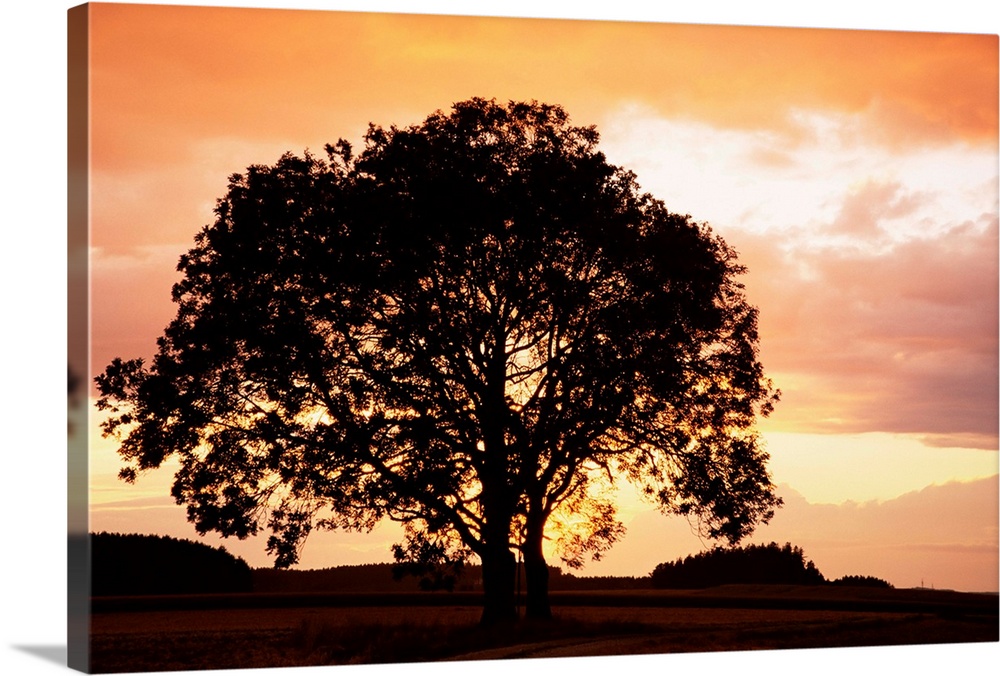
[(861, 581), (475, 326), (753, 564), (429, 560), (132, 564)]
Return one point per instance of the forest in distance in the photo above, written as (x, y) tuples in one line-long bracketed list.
[(135, 565)]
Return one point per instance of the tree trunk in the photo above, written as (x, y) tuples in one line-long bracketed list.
[(497, 497), (499, 565), (499, 571), (536, 573)]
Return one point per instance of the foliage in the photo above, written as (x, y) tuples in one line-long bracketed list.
[(429, 557), (473, 326), (126, 565), (861, 581), (752, 564)]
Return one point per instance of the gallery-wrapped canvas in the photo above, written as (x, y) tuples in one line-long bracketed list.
[(402, 338)]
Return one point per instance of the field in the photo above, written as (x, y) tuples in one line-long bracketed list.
[(262, 630)]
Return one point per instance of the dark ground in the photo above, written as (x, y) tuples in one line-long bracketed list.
[(268, 630)]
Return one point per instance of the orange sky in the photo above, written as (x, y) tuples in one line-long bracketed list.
[(855, 171), (177, 88)]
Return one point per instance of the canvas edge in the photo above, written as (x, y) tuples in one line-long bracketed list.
[(78, 336)]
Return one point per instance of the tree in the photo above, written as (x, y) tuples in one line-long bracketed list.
[(753, 564), (476, 327), (861, 581), (133, 564)]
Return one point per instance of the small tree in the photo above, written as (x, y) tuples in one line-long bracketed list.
[(475, 327)]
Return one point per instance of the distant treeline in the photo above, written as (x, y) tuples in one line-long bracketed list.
[(141, 565), (126, 565), (152, 565), (861, 581), (379, 577), (369, 577), (753, 564)]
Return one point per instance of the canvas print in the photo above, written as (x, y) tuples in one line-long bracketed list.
[(406, 338)]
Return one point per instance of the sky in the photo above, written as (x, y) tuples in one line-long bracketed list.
[(34, 211), (855, 172)]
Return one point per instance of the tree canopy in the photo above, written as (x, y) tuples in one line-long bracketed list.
[(752, 564), (134, 564), (474, 326)]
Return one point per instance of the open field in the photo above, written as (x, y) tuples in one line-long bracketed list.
[(235, 632)]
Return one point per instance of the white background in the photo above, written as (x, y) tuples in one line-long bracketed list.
[(33, 325)]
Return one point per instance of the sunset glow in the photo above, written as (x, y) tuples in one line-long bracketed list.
[(854, 172)]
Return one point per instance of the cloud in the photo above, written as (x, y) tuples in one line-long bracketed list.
[(867, 206), (896, 339), (165, 76)]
